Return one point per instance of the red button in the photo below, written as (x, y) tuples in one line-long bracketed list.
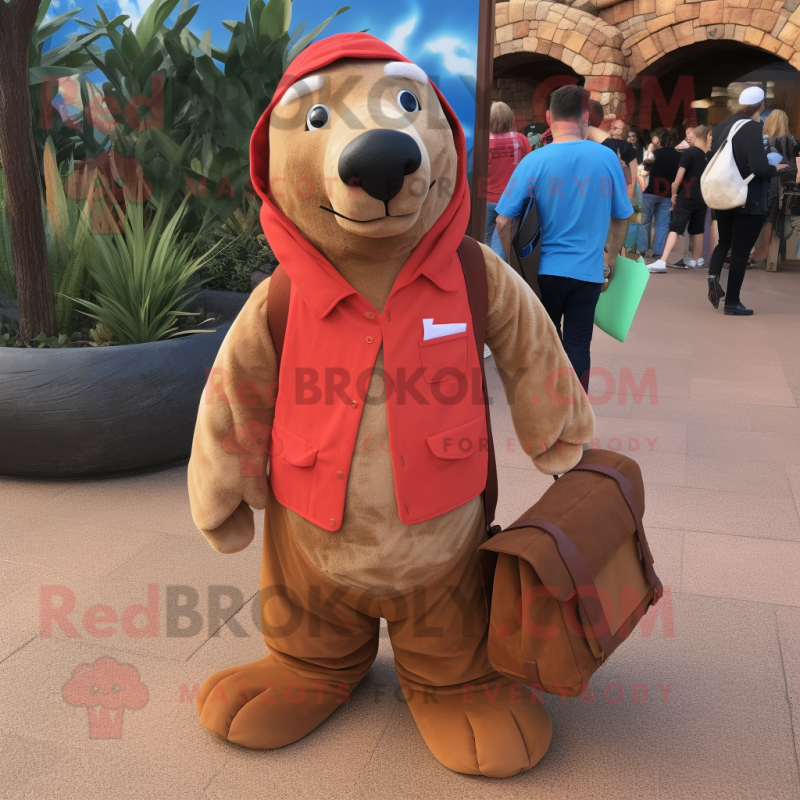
[(370, 315), (370, 340), (354, 404)]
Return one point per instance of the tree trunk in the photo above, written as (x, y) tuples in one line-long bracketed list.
[(23, 187)]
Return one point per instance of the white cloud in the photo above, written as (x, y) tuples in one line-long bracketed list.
[(134, 9), (397, 38), (448, 47)]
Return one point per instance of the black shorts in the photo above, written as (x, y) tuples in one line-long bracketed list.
[(694, 218)]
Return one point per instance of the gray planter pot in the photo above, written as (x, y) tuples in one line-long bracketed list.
[(104, 410)]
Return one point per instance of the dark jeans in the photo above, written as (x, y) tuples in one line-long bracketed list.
[(738, 233), (575, 301)]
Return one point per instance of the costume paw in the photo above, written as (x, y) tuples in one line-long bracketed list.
[(235, 533), (264, 705), (495, 728)]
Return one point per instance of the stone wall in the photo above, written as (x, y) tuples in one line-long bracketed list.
[(519, 95), (585, 42), (654, 27), (611, 38)]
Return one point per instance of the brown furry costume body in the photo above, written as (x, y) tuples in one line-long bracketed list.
[(423, 578)]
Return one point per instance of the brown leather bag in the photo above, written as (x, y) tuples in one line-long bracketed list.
[(572, 577)]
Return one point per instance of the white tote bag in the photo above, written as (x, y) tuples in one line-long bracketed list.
[(722, 184)]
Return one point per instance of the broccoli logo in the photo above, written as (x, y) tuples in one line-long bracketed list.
[(106, 688), (251, 441)]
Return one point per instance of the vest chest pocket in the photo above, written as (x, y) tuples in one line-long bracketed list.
[(444, 358)]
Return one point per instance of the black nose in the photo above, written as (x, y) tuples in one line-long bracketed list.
[(378, 161)]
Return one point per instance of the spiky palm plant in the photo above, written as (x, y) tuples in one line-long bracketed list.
[(142, 276)]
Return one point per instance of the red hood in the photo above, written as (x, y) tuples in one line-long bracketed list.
[(283, 236)]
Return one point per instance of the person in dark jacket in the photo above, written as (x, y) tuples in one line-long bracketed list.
[(739, 227), (657, 196)]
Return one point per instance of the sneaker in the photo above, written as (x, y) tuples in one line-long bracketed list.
[(700, 263), (678, 264), (692, 264), (657, 266)]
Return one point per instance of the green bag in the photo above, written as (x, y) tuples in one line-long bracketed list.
[(617, 305)]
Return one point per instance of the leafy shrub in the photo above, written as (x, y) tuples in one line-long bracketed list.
[(211, 98), (97, 336), (234, 259), (74, 136), (69, 230), (142, 277)]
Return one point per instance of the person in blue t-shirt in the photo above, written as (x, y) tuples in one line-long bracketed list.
[(583, 208)]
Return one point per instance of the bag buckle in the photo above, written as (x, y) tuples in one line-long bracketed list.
[(658, 593)]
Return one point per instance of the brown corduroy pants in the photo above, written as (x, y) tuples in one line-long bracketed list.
[(323, 637)]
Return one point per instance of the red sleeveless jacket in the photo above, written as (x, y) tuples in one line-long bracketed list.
[(435, 405), (434, 399)]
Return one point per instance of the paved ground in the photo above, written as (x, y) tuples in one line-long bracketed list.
[(707, 706)]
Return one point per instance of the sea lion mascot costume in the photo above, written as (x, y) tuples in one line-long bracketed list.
[(363, 432)]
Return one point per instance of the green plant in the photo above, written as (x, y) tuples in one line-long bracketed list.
[(68, 227), (53, 342), (201, 151), (142, 275), (233, 259), (74, 136), (98, 336), (245, 220)]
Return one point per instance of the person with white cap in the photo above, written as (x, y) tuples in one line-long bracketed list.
[(739, 227)]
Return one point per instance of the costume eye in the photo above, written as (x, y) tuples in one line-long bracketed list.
[(408, 101), (318, 117)]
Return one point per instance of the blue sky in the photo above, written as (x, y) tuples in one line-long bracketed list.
[(440, 36)]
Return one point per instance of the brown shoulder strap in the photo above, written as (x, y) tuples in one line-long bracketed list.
[(474, 266), (280, 284)]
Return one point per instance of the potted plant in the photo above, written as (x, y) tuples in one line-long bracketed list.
[(106, 360)]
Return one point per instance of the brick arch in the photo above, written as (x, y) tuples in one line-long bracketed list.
[(586, 43), (652, 28)]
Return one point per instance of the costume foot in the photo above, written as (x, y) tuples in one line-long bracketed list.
[(264, 705), (495, 728)]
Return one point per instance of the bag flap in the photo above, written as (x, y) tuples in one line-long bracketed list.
[(539, 550), (589, 508)]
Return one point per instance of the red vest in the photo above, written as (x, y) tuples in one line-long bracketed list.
[(435, 405)]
